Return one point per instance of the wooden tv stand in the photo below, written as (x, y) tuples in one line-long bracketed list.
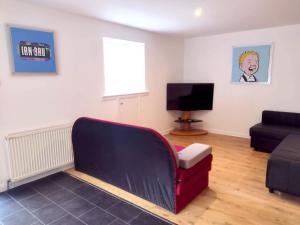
[(185, 126)]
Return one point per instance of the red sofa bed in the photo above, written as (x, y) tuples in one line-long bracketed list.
[(138, 160)]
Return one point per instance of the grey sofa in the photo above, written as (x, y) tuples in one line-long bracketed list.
[(279, 133), (274, 127), (283, 170)]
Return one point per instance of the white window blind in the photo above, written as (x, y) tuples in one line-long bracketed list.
[(124, 66)]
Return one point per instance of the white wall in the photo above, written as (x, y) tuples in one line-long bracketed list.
[(38, 100), (238, 107)]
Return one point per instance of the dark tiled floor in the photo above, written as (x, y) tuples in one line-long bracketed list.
[(63, 200), (35, 202), (124, 211)]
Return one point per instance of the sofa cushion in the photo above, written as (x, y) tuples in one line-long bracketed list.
[(273, 131), (284, 166), (281, 118), (288, 149), (194, 153)]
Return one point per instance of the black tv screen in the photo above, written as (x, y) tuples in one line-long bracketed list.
[(190, 96)]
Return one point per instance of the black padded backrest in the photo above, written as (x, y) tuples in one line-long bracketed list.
[(281, 118), (135, 159)]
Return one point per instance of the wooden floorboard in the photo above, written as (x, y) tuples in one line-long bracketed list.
[(236, 195)]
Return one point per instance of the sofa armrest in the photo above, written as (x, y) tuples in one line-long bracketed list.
[(191, 155)]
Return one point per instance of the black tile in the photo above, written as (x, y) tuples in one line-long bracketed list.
[(62, 196), (77, 206), (45, 186), (43, 180), (124, 211), (9, 208), (37, 223), (67, 220), (58, 176), (97, 217), (35, 202), (4, 198), (86, 191), (104, 200), (21, 192), (49, 213), (148, 219), (69, 182), (63, 190), (20, 218), (119, 222)]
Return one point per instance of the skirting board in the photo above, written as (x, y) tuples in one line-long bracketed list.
[(229, 133), (224, 132), (214, 131)]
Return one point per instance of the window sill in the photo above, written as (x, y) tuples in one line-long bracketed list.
[(129, 95)]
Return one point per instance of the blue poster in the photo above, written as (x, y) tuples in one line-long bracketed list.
[(32, 51), (251, 64)]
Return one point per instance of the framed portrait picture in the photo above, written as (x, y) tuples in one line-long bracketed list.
[(32, 50), (252, 64)]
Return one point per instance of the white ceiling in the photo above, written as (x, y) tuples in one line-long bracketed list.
[(176, 17)]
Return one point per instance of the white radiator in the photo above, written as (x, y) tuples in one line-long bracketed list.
[(32, 153)]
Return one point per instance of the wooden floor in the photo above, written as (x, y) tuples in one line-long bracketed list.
[(236, 193)]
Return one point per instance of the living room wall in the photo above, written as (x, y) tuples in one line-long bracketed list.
[(237, 107), (30, 101)]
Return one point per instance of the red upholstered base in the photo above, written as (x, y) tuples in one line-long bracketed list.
[(178, 147), (190, 182)]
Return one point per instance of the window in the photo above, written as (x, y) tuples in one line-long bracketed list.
[(124, 66)]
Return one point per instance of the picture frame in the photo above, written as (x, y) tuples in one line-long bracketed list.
[(252, 64), (32, 50)]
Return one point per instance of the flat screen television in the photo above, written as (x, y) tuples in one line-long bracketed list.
[(190, 96)]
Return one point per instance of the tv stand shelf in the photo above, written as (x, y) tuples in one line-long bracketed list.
[(180, 120), (185, 126)]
